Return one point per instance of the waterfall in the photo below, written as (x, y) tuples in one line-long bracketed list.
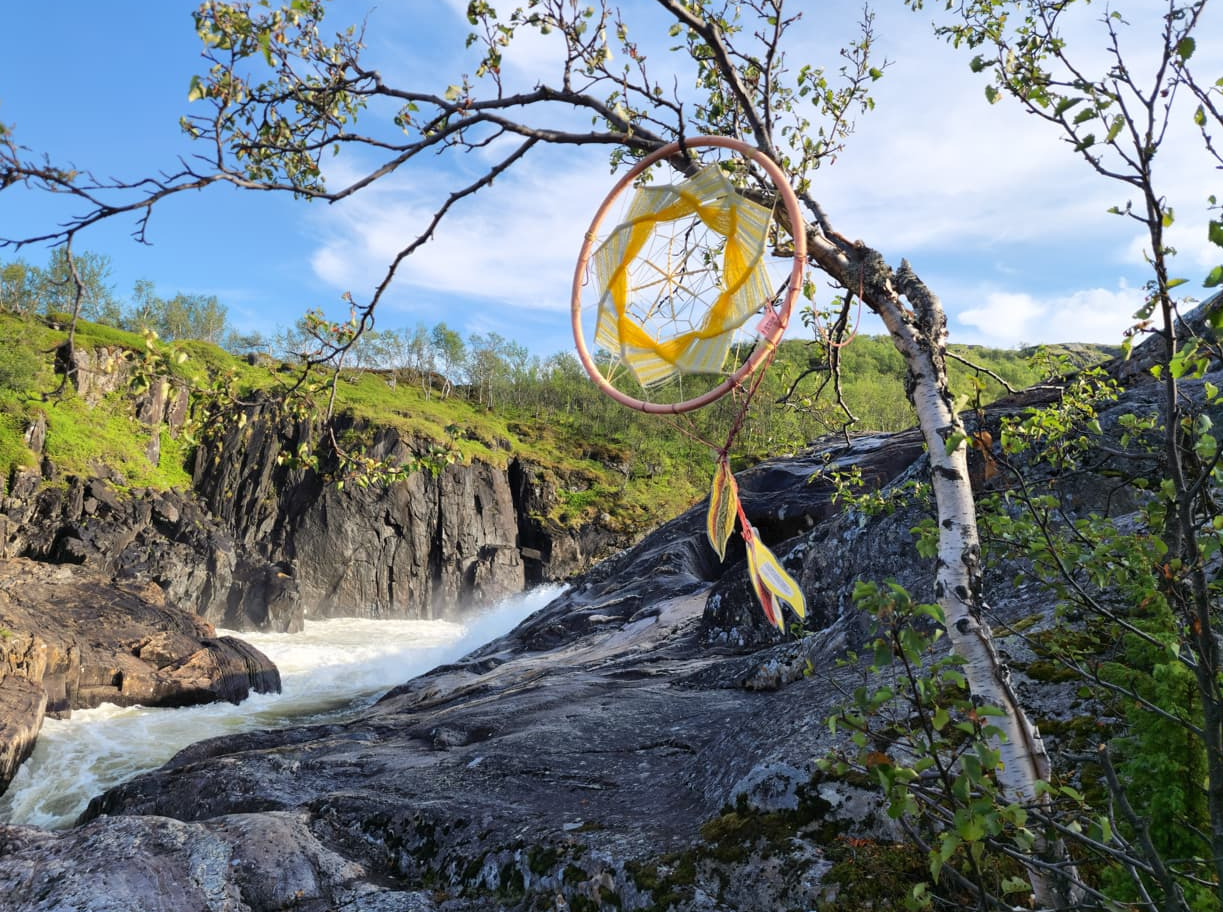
[(331, 670)]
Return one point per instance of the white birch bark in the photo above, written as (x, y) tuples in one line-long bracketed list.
[(920, 334)]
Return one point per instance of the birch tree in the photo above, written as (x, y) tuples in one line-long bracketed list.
[(1115, 113), (279, 94)]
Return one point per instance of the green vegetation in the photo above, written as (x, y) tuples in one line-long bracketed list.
[(81, 438), (632, 470), (51, 289)]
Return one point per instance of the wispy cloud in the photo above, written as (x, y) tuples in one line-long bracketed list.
[(514, 247), (1009, 318)]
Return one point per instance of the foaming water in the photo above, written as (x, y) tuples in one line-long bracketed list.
[(329, 671)]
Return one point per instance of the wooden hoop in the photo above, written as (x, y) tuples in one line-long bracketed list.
[(775, 320)]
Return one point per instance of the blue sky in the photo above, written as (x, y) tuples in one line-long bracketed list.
[(997, 215)]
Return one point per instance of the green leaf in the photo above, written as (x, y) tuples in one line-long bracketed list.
[(452, 93), (991, 94), (1115, 128), (1214, 231), (1106, 830), (1065, 105), (1083, 116), (1185, 47), (1206, 447), (195, 91), (1015, 885), (977, 64), (1214, 278), (972, 768)]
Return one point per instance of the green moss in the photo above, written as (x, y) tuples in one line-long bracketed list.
[(542, 859), (668, 881), (1021, 625), (1050, 671), (86, 440), (511, 880), (472, 869), (734, 837), (14, 454), (1080, 733), (871, 875)]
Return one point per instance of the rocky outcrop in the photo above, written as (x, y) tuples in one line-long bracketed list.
[(71, 639), (644, 742), (164, 537), (549, 552), (447, 536), (267, 538), (23, 705), (593, 754)]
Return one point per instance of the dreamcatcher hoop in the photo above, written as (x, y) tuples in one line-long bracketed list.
[(771, 328)]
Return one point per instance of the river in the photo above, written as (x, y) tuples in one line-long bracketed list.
[(329, 671)]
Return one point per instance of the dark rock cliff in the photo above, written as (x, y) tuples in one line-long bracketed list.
[(262, 542), (462, 534)]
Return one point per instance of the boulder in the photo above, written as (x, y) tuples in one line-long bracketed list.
[(22, 705), (71, 638)]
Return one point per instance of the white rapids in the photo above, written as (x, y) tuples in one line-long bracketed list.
[(330, 670)]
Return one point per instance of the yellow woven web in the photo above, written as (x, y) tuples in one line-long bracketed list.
[(655, 278)]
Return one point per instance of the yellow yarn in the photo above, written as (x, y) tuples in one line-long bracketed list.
[(744, 287)]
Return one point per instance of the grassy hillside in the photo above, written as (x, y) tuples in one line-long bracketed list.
[(604, 459)]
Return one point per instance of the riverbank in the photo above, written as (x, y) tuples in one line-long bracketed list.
[(329, 671)]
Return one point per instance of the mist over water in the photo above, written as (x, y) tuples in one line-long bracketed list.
[(328, 672)]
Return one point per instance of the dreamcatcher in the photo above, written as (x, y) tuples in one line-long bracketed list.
[(668, 297)]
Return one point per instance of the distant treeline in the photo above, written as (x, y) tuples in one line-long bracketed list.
[(795, 404)]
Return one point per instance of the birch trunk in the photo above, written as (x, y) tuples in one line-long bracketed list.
[(920, 334)]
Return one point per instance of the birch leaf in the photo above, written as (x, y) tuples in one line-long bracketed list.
[(723, 506), (770, 580)]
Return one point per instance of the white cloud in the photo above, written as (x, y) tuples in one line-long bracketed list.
[(1007, 318), (936, 165), (514, 246), (934, 173)]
